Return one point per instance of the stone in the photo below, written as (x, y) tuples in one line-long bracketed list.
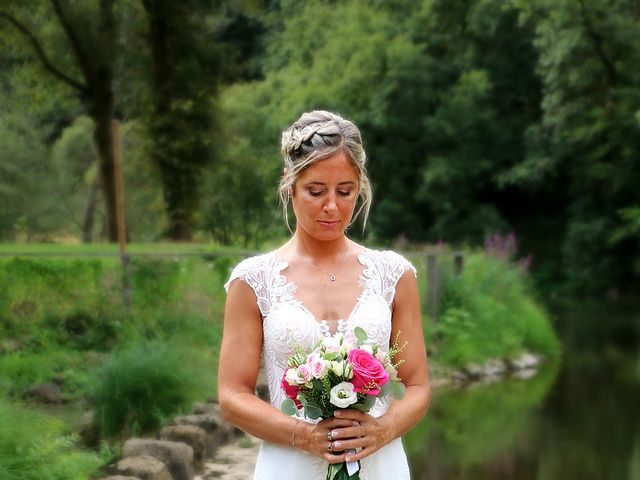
[(121, 477), (144, 467), (9, 345), (473, 370), (206, 408), (218, 432), (45, 393), (524, 362), (193, 436), (178, 457), (495, 367)]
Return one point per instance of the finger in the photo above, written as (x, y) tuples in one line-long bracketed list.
[(337, 423), (348, 432), (334, 458), (350, 414)]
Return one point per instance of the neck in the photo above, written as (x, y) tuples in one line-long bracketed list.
[(310, 247)]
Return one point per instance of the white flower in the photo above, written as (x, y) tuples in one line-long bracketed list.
[(291, 377), (342, 395), (338, 368)]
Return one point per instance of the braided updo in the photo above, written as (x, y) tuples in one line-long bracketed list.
[(318, 135)]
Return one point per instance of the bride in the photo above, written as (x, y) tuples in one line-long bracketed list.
[(318, 283)]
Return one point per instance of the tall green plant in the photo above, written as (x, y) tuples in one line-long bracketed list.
[(142, 386)]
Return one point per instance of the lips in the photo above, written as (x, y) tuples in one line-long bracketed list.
[(328, 223)]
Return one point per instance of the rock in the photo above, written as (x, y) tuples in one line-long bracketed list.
[(495, 367), (459, 376), (439, 382), (178, 457), (206, 408), (473, 370), (193, 436), (144, 467), (88, 430), (45, 393), (121, 477), (524, 362), (217, 431), (9, 345)]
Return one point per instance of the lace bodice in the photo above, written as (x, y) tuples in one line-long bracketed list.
[(287, 322)]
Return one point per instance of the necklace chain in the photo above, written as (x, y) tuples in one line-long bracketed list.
[(332, 276)]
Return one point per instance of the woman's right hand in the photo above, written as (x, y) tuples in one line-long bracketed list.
[(317, 438)]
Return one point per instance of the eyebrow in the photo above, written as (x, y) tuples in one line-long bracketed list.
[(314, 182)]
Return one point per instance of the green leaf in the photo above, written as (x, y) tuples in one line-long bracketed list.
[(317, 384), (288, 407), (331, 355), (366, 404), (397, 390), (312, 411), (361, 335)]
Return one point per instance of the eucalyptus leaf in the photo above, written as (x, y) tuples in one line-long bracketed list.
[(312, 411), (361, 335), (288, 407)]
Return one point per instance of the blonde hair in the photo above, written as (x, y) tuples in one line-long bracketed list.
[(318, 135)]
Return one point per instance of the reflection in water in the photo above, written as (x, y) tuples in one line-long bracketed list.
[(577, 420)]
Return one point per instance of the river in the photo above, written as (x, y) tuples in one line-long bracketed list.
[(578, 418)]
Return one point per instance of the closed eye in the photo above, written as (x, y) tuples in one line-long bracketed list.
[(345, 193), (315, 193)]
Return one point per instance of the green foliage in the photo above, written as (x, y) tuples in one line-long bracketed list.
[(488, 312), (143, 385), (34, 447)]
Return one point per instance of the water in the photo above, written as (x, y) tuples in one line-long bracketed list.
[(578, 418)]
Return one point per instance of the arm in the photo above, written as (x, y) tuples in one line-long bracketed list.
[(403, 414), (237, 373)]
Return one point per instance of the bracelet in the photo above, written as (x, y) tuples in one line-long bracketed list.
[(293, 437)]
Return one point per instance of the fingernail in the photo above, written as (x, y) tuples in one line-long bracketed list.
[(356, 424), (347, 459), (336, 444), (337, 413)]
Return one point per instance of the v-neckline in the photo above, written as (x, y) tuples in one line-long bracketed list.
[(323, 324)]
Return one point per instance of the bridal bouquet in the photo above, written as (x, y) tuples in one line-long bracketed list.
[(342, 371)]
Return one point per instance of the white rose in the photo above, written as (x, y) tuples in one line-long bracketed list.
[(292, 376), (337, 368), (342, 395)]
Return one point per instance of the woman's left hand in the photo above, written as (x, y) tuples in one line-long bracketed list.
[(366, 438)]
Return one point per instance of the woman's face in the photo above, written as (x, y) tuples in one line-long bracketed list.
[(324, 197)]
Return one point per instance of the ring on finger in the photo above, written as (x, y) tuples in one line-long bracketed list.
[(330, 435), (329, 446)]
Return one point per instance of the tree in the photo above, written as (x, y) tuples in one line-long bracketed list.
[(184, 82), (91, 45)]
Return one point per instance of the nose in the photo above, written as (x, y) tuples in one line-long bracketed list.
[(330, 204)]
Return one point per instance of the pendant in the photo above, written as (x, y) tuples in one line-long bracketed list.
[(332, 277)]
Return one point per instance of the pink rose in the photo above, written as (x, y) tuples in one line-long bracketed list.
[(291, 391), (368, 373)]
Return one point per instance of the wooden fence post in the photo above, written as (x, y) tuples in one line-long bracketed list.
[(458, 263), (120, 215), (432, 286)]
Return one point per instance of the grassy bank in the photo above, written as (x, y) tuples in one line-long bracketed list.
[(62, 320)]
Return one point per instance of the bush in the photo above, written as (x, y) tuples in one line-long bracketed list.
[(488, 312), (142, 386), (33, 447)]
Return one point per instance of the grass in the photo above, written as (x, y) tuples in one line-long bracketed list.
[(34, 447), (141, 364)]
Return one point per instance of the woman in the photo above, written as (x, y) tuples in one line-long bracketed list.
[(318, 283)]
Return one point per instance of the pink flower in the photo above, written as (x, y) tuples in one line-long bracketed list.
[(368, 373), (291, 391)]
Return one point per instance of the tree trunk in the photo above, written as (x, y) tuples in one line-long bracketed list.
[(90, 212)]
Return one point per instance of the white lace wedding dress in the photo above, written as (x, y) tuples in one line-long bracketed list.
[(286, 320)]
